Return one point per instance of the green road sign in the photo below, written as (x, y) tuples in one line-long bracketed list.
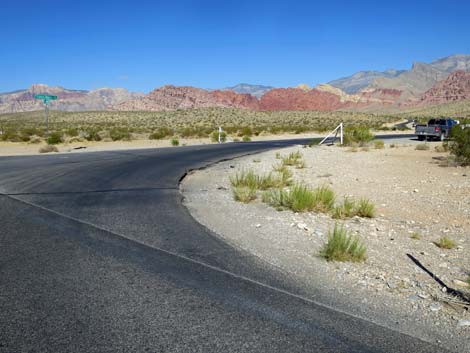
[(45, 97)]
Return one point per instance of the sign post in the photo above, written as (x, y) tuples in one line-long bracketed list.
[(46, 99)]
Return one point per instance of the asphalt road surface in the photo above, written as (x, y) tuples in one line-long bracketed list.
[(97, 254)]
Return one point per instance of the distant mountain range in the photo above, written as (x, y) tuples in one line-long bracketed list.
[(254, 90), (68, 100), (444, 80)]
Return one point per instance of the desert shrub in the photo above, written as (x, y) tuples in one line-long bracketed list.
[(365, 208), (357, 135), (215, 136), (246, 138), (48, 149), (119, 134), (91, 135), (459, 144), (444, 147), (422, 147), (160, 133), (244, 194), (415, 236), (445, 243), (34, 139), (175, 141), (379, 144), (342, 246), (245, 131), (11, 136), (347, 209), (54, 138), (73, 132)]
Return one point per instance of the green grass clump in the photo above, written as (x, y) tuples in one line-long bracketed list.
[(422, 147), (445, 243), (365, 208), (379, 144), (292, 159), (300, 198), (244, 194), (257, 182), (246, 138), (277, 198), (341, 246), (344, 210), (415, 236), (175, 141)]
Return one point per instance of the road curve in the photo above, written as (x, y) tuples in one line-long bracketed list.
[(99, 255)]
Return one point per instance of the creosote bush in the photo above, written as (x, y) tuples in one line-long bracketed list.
[(48, 149), (175, 141), (246, 138), (342, 246), (422, 147), (215, 136), (54, 139), (459, 144), (359, 135)]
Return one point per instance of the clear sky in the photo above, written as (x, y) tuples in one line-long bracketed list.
[(141, 45)]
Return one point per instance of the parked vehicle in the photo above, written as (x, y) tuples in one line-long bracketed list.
[(435, 129)]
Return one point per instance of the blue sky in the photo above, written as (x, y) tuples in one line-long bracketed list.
[(141, 45)]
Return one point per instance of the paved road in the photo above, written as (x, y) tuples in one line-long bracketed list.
[(97, 254)]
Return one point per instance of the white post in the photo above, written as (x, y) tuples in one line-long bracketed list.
[(220, 134), (341, 136), (335, 132)]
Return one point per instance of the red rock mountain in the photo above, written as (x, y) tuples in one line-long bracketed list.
[(300, 99), (455, 88), (172, 97)]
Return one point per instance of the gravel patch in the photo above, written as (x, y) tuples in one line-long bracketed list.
[(417, 202)]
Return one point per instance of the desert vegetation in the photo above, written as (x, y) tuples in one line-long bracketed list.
[(342, 246), (280, 191), (237, 123)]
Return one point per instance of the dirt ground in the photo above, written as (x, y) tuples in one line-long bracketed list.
[(23, 148), (415, 197)]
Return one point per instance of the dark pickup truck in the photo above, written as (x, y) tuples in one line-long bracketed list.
[(435, 129)]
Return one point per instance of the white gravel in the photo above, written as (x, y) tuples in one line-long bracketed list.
[(413, 194)]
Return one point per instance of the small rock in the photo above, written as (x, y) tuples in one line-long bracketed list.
[(463, 323), (423, 295), (460, 283), (391, 285), (443, 265), (413, 298), (415, 190), (258, 225), (302, 226), (435, 307)]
